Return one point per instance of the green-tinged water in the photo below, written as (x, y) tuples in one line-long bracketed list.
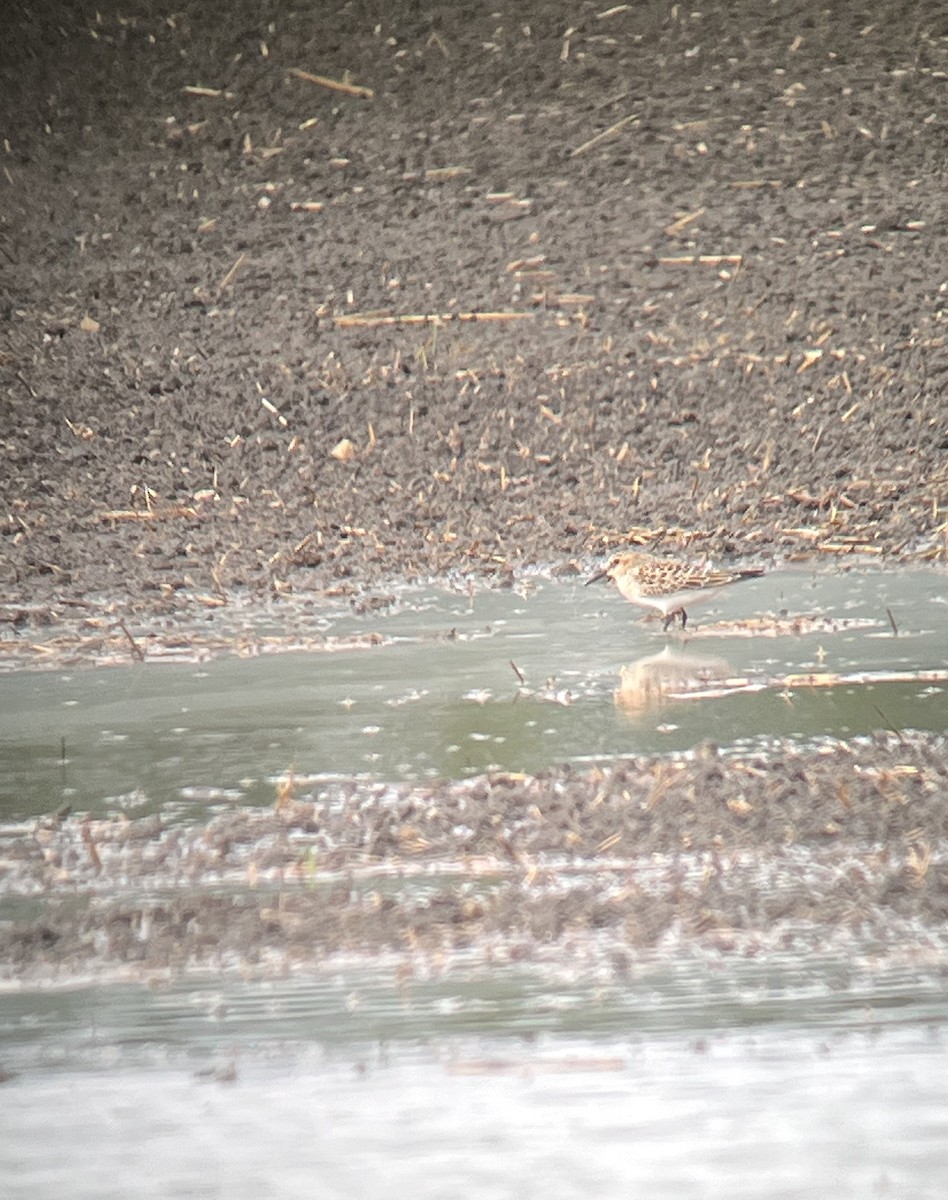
[(83, 1027), (441, 696), (808, 1063)]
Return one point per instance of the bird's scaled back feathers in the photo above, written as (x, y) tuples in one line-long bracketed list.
[(668, 584)]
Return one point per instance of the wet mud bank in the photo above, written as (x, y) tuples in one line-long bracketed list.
[(300, 299)]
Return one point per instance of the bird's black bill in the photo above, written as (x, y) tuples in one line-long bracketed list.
[(595, 578)]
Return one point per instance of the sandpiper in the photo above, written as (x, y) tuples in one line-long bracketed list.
[(667, 584)]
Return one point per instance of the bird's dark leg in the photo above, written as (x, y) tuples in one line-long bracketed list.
[(684, 619), (668, 621)]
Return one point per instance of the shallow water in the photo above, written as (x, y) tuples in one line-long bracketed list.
[(440, 696), (800, 1116), (777, 1074), (752, 1081)]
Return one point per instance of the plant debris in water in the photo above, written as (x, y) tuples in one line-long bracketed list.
[(796, 849)]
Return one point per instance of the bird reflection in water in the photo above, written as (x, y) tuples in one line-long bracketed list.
[(650, 682)]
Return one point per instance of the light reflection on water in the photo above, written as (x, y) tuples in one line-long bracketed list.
[(748, 1079), (353, 1004), (732, 1114), (778, 1077), (443, 697)]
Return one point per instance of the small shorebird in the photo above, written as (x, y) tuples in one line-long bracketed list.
[(667, 584)]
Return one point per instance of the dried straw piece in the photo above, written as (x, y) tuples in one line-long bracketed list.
[(232, 273), (606, 133), (700, 260), (335, 85), (211, 93), (373, 320), (682, 223), (173, 512)]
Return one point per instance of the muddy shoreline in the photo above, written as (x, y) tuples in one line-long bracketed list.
[(514, 288), (702, 256)]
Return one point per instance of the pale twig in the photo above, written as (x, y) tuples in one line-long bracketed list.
[(211, 93), (335, 85), (173, 512), (700, 260), (232, 273), (136, 649), (601, 137), (371, 320), (683, 222)]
